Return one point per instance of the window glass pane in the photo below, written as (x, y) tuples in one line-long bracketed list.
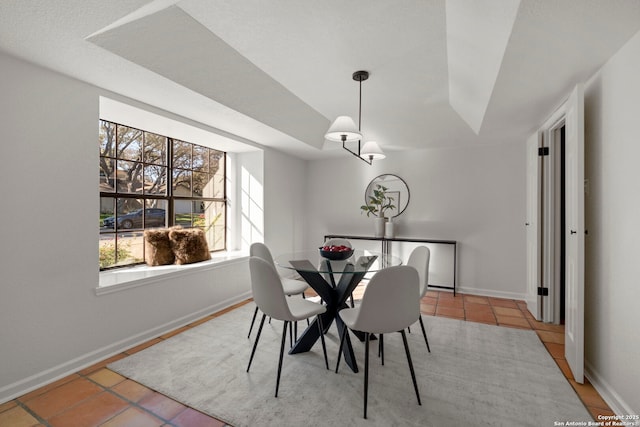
[(107, 175), (120, 249), (181, 155), (200, 158), (217, 163), (155, 180), (129, 177), (202, 184), (214, 225), (129, 213), (182, 213), (107, 209), (130, 247), (107, 138), (155, 214), (182, 183), (198, 209), (107, 250), (155, 149), (129, 143)]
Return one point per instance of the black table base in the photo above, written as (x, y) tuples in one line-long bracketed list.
[(335, 297)]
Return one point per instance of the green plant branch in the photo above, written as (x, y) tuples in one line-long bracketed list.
[(379, 202)]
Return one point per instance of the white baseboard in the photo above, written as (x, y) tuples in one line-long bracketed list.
[(613, 399), (491, 293), (55, 373)]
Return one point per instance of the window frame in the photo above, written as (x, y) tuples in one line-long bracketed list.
[(169, 195)]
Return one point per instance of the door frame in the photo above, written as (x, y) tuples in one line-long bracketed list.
[(534, 299), (551, 229), (571, 114)]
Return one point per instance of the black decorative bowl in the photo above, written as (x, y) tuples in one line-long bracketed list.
[(335, 255)]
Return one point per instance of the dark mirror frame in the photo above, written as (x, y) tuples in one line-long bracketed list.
[(398, 185)]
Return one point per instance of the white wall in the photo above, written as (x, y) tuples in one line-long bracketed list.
[(474, 195), (612, 209), (285, 202)]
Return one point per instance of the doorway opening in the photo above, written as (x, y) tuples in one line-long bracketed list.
[(554, 224)]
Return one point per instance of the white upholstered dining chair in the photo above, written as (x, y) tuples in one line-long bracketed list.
[(389, 304), (419, 259), (290, 286), (270, 298)]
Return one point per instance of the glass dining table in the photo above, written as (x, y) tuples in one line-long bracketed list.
[(333, 281)]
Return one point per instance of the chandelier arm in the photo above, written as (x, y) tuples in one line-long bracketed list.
[(344, 145)]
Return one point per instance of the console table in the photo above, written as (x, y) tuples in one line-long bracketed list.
[(386, 249)]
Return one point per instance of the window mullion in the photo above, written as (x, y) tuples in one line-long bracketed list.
[(170, 213)]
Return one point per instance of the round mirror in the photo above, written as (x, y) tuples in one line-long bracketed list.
[(396, 193)]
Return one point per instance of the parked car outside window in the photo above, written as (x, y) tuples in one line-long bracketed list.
[(154, 217)]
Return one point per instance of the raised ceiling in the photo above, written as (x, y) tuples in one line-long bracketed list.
[(444, 73)]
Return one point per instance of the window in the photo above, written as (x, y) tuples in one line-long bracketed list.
[(149, 181)]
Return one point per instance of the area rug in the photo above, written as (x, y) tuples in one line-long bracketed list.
[(475, 375)]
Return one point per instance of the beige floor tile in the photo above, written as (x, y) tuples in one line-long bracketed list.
[(162, 405), (61, 398), (90, 412), (133, 417), (132, 390), (505, 311), (17, 417), (106, 377), (501, 302)]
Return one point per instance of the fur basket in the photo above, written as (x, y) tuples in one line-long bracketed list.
[(189, 245)]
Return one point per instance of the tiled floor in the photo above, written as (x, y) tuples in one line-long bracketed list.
[(97, 396)]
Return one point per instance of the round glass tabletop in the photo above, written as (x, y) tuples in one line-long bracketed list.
[(311, 260)]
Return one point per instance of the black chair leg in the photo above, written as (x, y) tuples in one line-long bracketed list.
[(342, 338), (255, 344), (293, 334), (284, 339), (381, 346), (424, 332), (324, 347), (366, 372), (413, 374), (304, 297), (255, 313)]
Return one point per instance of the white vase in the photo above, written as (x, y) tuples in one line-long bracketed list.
[(388, 229), (379, 226)]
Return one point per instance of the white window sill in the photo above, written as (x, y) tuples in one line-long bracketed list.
[(127, 278)]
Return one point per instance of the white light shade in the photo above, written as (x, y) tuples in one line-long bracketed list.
[(343, 126), (371, 150)]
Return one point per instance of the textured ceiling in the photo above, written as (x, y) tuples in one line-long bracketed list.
[(444, 73)]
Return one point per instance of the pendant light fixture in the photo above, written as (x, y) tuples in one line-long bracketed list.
[(344, 129)]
